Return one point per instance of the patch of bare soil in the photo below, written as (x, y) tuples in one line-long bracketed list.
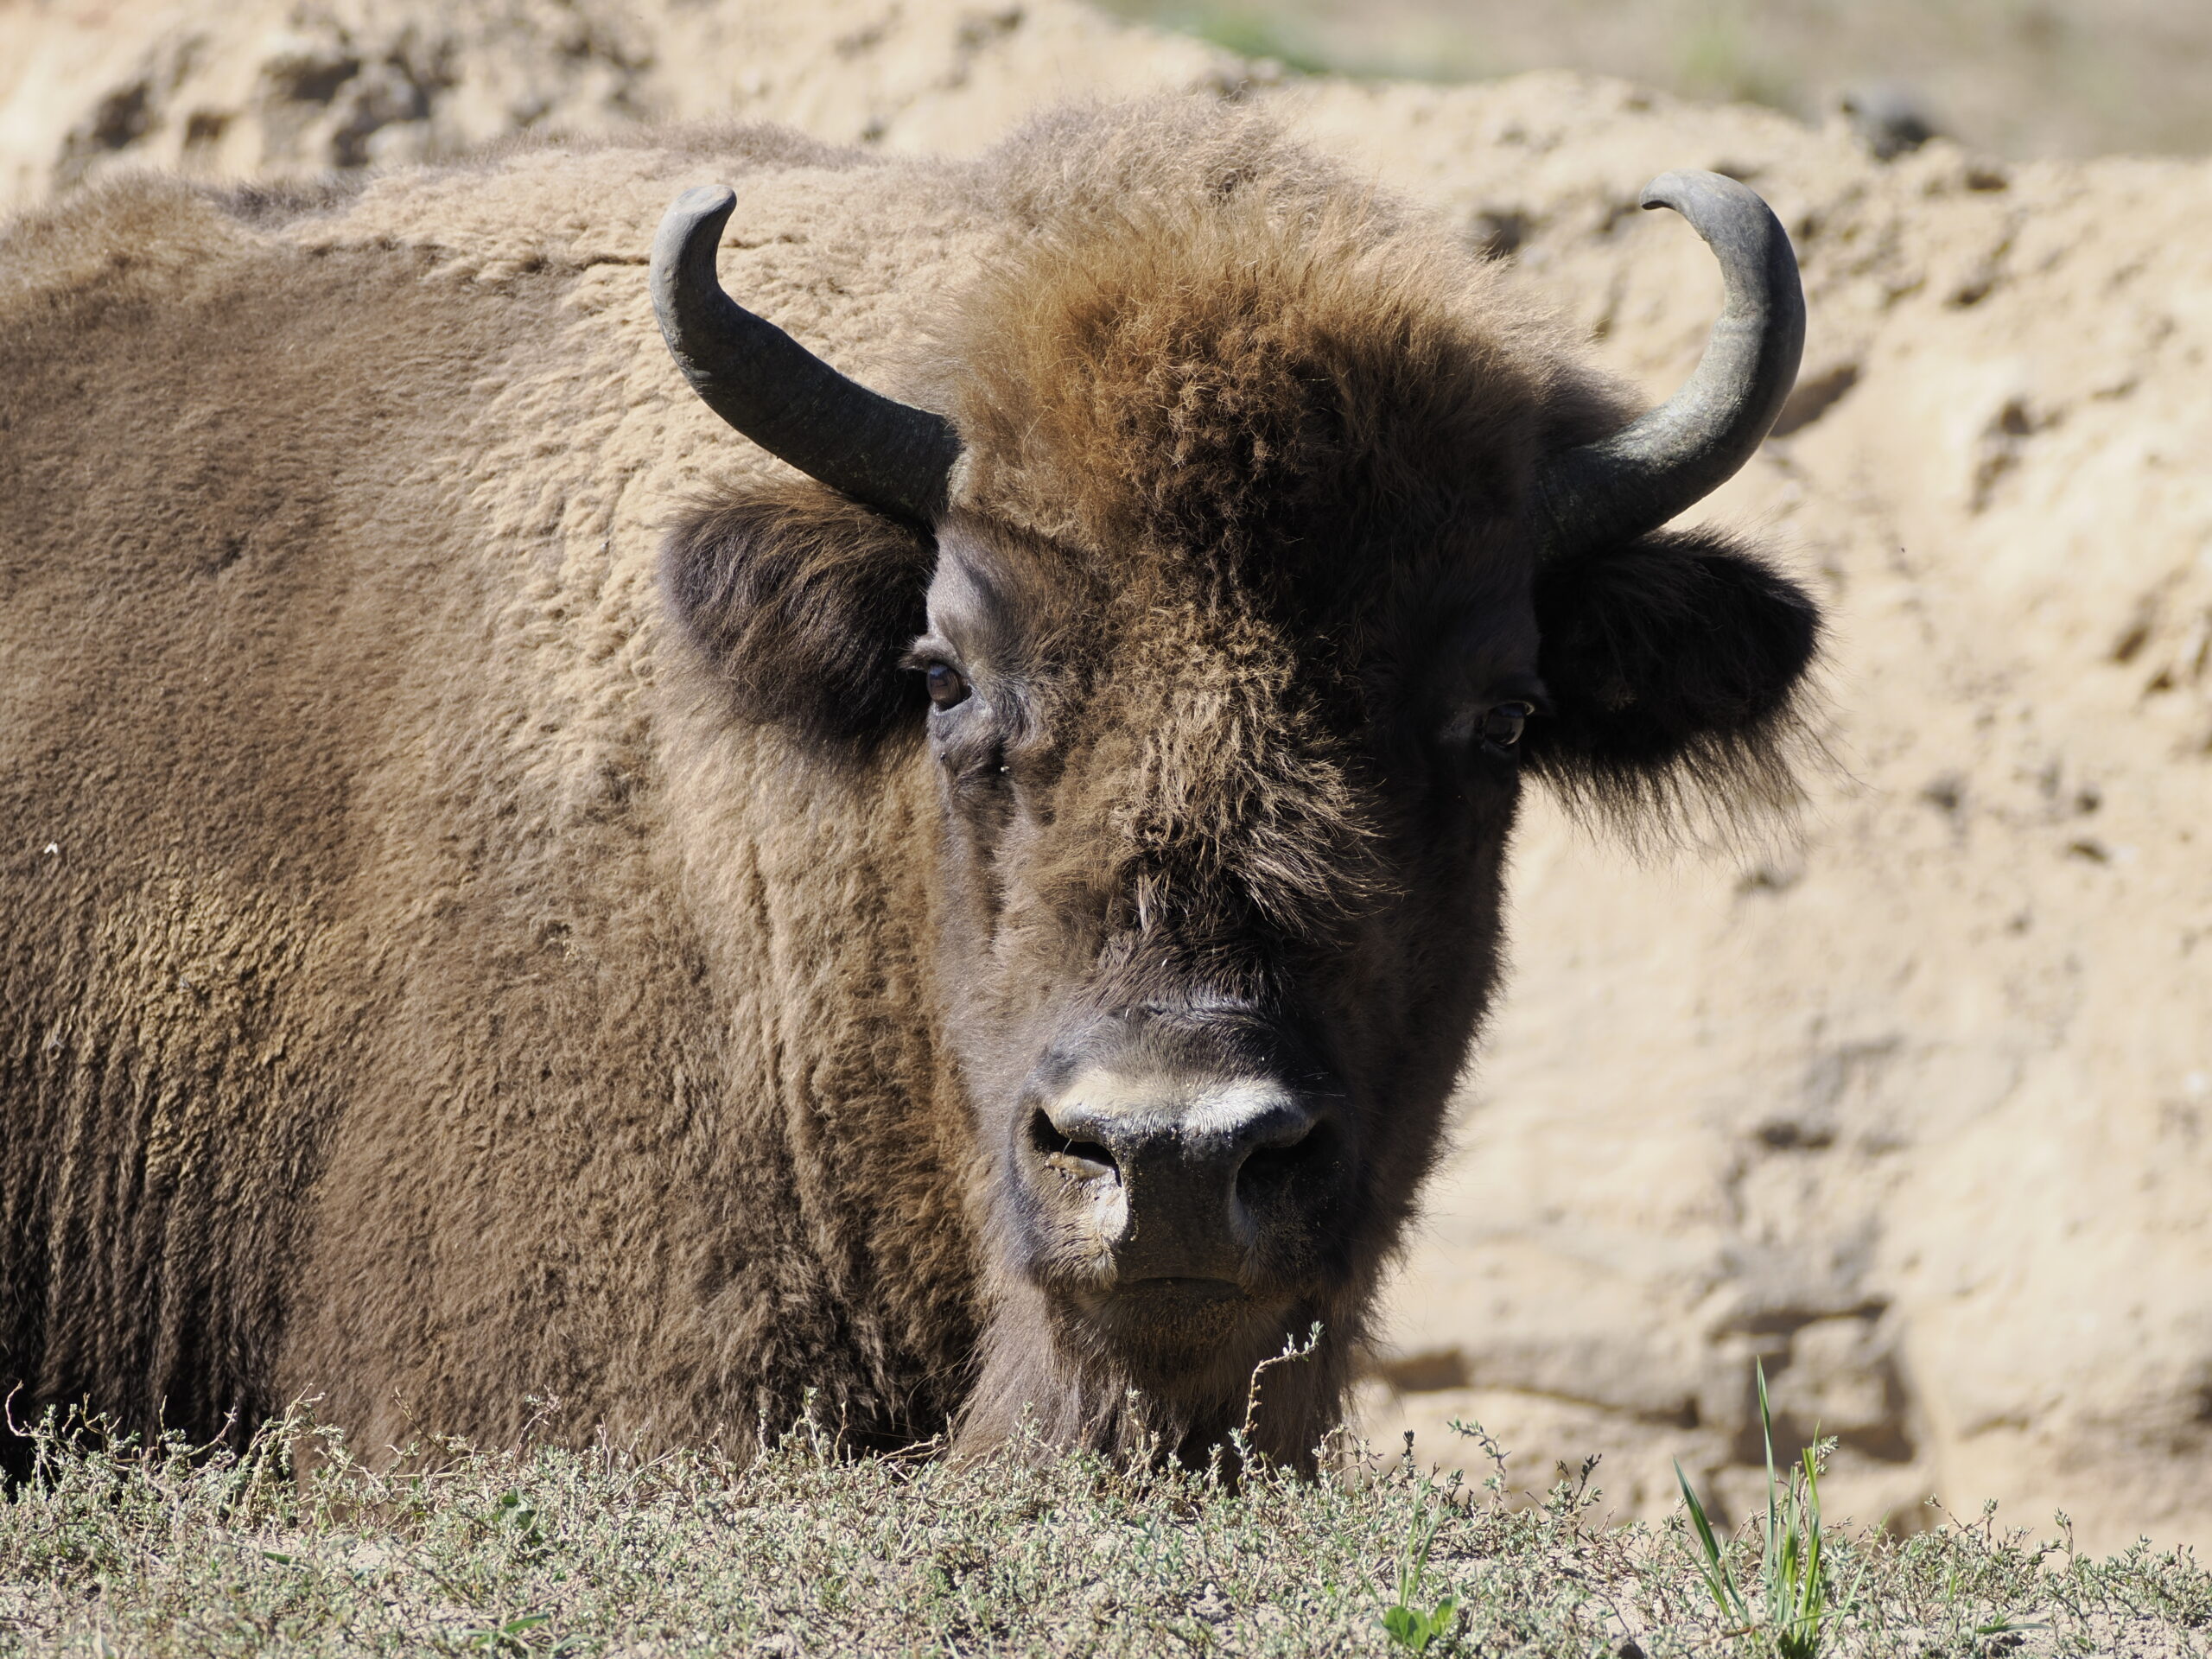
[(1917, 1106)]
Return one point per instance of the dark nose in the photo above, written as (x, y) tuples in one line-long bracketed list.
[(1178, 1178)]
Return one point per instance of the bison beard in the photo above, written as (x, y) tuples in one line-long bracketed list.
[(988, 942)]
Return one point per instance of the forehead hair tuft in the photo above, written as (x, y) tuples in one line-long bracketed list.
[(1235, 347)]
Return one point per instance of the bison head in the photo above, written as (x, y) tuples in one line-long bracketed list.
[(1260, 550)]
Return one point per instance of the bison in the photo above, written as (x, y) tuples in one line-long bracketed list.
[(969, 905)]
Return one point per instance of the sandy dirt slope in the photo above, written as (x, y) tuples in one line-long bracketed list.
[(286, 88), (1917, 1106)]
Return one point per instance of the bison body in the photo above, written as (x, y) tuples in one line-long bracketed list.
[(514, 893)]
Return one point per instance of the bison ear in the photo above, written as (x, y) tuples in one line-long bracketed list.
[(803, 602), (1677, 666)]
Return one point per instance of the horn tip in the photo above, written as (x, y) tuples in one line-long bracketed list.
[(701, 199), (1677, 188)]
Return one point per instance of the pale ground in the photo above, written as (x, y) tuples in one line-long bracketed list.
[(1917, 1107)]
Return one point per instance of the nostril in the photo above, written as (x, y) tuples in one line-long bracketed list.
[(1085, 1159), (1272, 1166)]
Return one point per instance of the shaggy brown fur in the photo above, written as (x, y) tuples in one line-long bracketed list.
[(443, 961)]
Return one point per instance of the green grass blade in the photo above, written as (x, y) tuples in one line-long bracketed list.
[(1720, 1582)]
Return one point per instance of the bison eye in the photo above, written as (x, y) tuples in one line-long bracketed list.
[(1502, 725), (947, 690)]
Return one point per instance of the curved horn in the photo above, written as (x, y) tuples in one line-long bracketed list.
[(886, 454), (1619, 488)]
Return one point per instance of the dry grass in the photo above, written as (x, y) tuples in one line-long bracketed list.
[(120, 1549)]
